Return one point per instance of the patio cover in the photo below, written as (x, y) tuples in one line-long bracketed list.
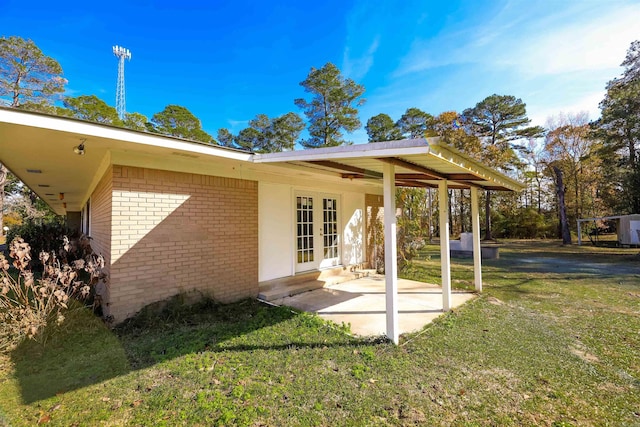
[(422, 162), (410, 163)]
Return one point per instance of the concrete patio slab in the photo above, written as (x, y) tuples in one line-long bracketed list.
[(361, 303)]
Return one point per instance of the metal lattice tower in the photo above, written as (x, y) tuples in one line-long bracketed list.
[(122, 54)]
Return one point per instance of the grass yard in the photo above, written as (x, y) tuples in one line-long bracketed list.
[(554, 340)]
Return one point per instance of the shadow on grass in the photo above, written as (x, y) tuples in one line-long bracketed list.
[(86, 352), (83, 352)]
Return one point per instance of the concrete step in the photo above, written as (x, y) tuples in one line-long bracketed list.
[(294, 285), (307, 276)]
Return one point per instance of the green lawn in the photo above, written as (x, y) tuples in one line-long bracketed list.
[(554, 340)]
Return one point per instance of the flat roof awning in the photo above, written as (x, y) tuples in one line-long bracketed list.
[(418, 163), (406, 163)]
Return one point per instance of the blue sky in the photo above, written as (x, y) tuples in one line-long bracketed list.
[(228, 61)]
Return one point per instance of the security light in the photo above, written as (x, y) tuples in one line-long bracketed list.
[(79, 149)]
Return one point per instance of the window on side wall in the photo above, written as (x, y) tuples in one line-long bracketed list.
[(86, 218)]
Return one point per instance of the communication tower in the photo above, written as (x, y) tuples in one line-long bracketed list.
[(122, 54)]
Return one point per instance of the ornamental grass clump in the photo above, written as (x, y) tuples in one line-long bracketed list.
[(30, 302)]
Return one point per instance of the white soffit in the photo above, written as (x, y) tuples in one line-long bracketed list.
[(39, 150), (122, 135)]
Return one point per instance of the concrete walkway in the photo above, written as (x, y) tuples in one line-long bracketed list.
[(361, 303)]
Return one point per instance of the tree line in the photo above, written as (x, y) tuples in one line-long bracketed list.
[(573, 167)]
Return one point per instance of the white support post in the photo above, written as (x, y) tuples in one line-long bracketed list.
[(445, 254), (477, 250), (579, 233), (390, 251)]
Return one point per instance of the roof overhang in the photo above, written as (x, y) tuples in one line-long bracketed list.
[(39, 149), (419, 162)]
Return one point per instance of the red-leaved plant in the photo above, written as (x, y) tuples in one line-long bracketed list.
[(27, 303)]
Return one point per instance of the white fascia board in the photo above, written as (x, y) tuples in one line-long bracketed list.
[(360, 151), (455, 157), (86, 129)]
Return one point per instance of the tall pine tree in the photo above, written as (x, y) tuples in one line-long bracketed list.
[(332, 108), (498, 120), (619, 128)]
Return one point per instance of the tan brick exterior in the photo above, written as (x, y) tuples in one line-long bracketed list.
[(100, 217), (100, 230), (173, 232), (374, 230)]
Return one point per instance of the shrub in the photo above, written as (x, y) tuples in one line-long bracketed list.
[(49, 237), (29, 303), (11, 220), (412, 230), (42, 236), (525, 223)]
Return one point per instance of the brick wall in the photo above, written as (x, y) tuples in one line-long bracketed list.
[(374, 230), (100, 214), (173, 232), (100, 232)]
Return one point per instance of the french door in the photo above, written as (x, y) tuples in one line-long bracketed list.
[(317, 231)]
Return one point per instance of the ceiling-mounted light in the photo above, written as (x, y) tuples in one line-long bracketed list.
[(79, 149)]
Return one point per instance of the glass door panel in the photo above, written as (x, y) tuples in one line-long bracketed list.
[(317, 232), (305, 254), (330, 234)]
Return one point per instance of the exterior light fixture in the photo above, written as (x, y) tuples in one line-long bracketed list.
[(61, 196), (79, 149), (64, 205)]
